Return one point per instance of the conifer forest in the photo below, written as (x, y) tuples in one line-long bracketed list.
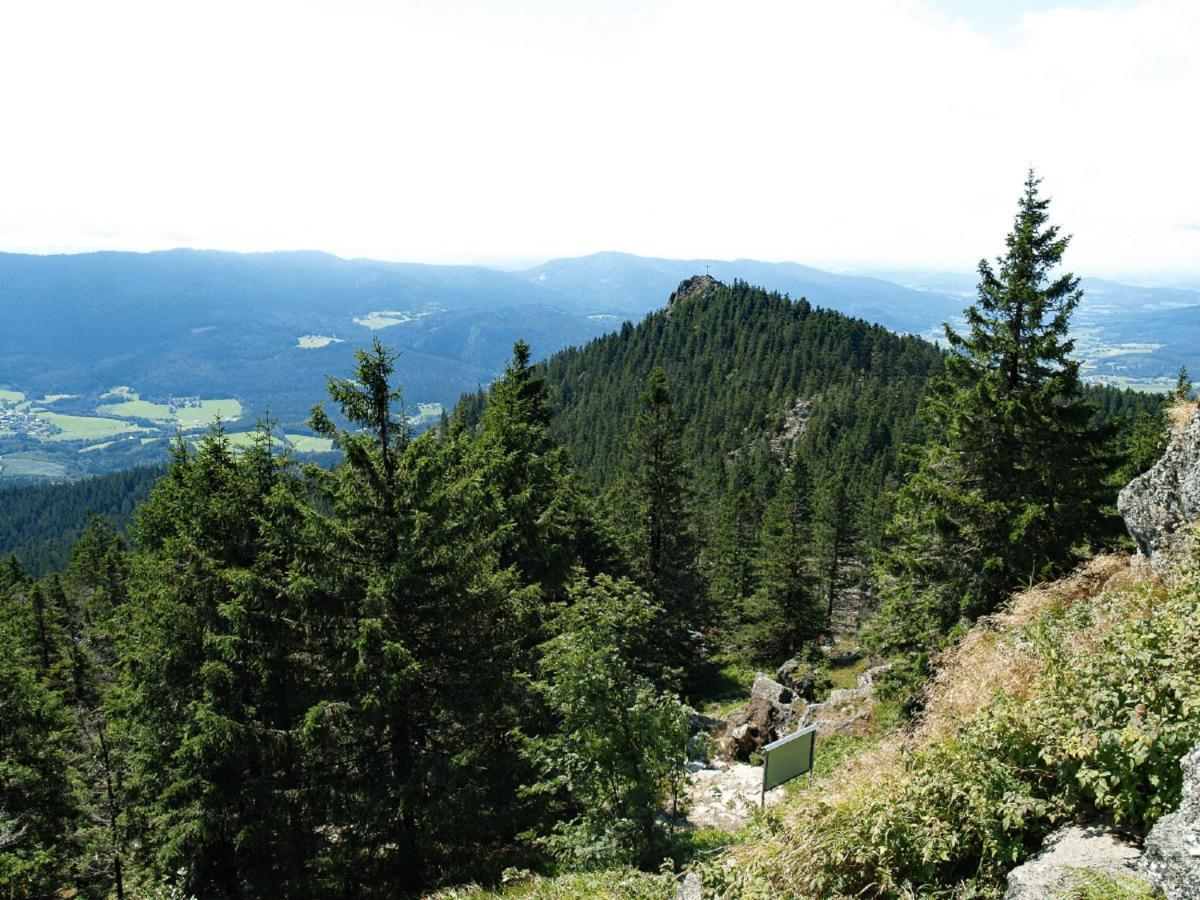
[(480, 649)]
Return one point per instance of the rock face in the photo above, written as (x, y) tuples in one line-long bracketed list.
[(1056, 868), (845, 708), (750, 727), (773, 711), (1159, 504), (690, 888), (690, 287), (1172, 848)]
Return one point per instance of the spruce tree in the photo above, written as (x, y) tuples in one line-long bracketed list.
[(421, 663), (1012, 484), (665, 549), (216, 692), (785, 610)]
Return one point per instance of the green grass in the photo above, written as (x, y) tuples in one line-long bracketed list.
[(307, 443), (239, 439), (612, 884), (384, 318), (11, 396), (726, 688), (123, 391), (846, 677), (316, 341), (186, 417), (137, 409), (1092, 885), (701, 844), (203, 415), (85, 428)]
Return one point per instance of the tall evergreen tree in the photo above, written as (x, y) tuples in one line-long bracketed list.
[(412, 549), (665, 548), (529, 473), (785, 610), (215, 695), (1011, 485)]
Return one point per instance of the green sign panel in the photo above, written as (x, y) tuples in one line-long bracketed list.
[(788, 757)]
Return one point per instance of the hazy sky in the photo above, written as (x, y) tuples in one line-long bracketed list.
[(837, 134)]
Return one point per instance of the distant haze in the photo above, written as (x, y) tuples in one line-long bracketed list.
[(890, 134)]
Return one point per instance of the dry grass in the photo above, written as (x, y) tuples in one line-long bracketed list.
[(990, 660), (1180, 413), (993, 659)]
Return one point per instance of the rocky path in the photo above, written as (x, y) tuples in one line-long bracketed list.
[(724, 794)]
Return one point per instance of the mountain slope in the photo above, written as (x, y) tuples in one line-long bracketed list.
[(738, 359)]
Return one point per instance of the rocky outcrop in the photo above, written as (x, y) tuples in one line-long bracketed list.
[(690, 888), (1169, 859), (804, 679), (691, 287), (795, 421), (1161, 504), (1065, 855), (847, 708), (773, 711), (750, 728), (765, 688), (1172, 848)]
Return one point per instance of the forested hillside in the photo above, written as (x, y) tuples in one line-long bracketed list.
[(40, 522), (759, 380)]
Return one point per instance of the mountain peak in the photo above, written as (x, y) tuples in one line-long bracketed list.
[(691, 287)]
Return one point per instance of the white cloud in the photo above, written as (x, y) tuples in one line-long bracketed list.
[(889, 133)]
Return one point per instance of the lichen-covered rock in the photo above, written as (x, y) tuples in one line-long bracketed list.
[(1172, 848), (1160, 504), (805, 679), (764, 688), (1065, 854)]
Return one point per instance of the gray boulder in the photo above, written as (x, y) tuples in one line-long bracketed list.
[(765, 688), (1172, 848), (691, 888), (1065, 855), (1161, 503)]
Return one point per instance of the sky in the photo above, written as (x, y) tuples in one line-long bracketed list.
[(844, 135)]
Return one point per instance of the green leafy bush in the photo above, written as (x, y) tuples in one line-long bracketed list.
[(617, 748)]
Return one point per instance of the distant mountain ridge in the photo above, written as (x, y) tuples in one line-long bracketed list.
[(636, 284), (262, 331), (204, 322)]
